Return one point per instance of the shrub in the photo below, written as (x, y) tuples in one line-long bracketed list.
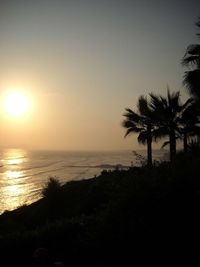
[(52, 188)]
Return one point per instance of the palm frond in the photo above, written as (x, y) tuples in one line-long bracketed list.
[(165, 144), (128, 124), (156, 103), (164, 102), (193, 49), (131, 131), (166, 108), (192, 56), (142, 137), (143, 106), (131, 115), (188, 103), (173, 101), (131, 127), (190, 60), (198, 22), (159, 133), (192, 82), (190, 114)]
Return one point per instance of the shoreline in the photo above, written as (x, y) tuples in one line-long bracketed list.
[(148, 206)]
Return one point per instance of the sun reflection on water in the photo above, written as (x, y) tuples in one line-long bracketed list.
[(13, 190), (14, 161), (13, 174)]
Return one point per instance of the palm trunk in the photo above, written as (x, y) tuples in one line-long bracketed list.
[(149, 147), (185, 143), (172, 139)]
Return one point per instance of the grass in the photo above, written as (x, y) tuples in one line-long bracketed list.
[(138, 215)]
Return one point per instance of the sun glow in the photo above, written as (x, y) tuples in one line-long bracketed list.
[(16, 104)]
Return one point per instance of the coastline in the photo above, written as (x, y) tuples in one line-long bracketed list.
[(150, 207), (24, 173)]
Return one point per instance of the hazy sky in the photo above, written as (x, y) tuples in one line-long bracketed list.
[(82, 62)]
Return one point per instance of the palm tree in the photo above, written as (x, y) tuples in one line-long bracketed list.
[(189, 123), (191, 60), (167, 112), (141, 122), (192, 76)]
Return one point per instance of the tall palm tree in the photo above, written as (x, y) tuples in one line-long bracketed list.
[(191, 60), (140, 122), (167, 112)]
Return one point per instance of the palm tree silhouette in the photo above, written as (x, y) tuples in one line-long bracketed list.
[(167, 112), (192, 77), (141, 122), (189, 123), (191, 60)]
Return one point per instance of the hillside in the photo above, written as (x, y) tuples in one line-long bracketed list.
[(145, 215)]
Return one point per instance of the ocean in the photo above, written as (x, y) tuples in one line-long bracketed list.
[(24, 173)]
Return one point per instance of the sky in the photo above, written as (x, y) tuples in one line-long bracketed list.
[(81, 63)]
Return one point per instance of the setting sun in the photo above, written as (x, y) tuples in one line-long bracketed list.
[(16, 104)]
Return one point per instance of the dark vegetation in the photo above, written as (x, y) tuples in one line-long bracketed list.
[(144, 215), (159, 117), (120, 216)]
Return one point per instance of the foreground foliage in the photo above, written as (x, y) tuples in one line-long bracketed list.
[(136, 215)]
